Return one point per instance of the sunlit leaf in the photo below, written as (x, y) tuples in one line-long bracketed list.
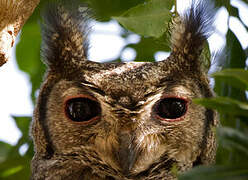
[(11, 171), (225, 105), (148, 19), (234, 77)]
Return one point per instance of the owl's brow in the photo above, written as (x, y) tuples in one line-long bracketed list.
[(170, 82), (166, 80), (91, 86)]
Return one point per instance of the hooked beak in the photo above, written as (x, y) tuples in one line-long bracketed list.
[(127, 154)]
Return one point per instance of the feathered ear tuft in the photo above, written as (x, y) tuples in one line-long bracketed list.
[(64, 32), (191, 31)]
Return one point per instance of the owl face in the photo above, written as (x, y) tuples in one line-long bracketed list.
[(127, 116), (121, 120)]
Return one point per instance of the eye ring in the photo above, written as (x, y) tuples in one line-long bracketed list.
[(93, 101), (174, 118)]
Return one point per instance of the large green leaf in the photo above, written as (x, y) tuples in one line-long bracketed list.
[(28, 49), (233, 139), (28, 54), (225, 105), (105, 9), (234, 77), (216, 173), (148, 19)]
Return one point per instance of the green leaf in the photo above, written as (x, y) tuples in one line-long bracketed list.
[(148, 19), (28, 54), (233, 139), (4, 150), (235, 59), (15, 168), (23, 123), (220, 3), (30, 44), (237, 56), (225, 105), (216, 173), (104, 10), (233, 11), (234, 77), (11, 171)]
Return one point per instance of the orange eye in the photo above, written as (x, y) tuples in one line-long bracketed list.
[(82, 109), (170, 109)]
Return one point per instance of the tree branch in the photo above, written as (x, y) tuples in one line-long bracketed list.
[(13, 15)]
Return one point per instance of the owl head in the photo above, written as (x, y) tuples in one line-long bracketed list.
[(133, 120)]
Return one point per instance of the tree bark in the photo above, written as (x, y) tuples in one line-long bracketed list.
[(13, 15)]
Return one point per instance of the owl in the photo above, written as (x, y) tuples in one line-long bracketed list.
[(121, 121)]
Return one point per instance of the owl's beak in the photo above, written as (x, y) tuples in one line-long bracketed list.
[(126, 155)]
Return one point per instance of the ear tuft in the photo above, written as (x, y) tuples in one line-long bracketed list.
[(64, 32), (191, 31)]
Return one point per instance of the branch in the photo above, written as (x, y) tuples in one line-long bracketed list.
[(13, 15)]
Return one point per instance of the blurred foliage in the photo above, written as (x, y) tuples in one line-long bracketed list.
[(230, 84)]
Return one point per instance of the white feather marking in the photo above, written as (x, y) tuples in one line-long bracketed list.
[(119, 70)]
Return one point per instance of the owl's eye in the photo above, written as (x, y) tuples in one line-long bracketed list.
[(82, 109), (171, 108)]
